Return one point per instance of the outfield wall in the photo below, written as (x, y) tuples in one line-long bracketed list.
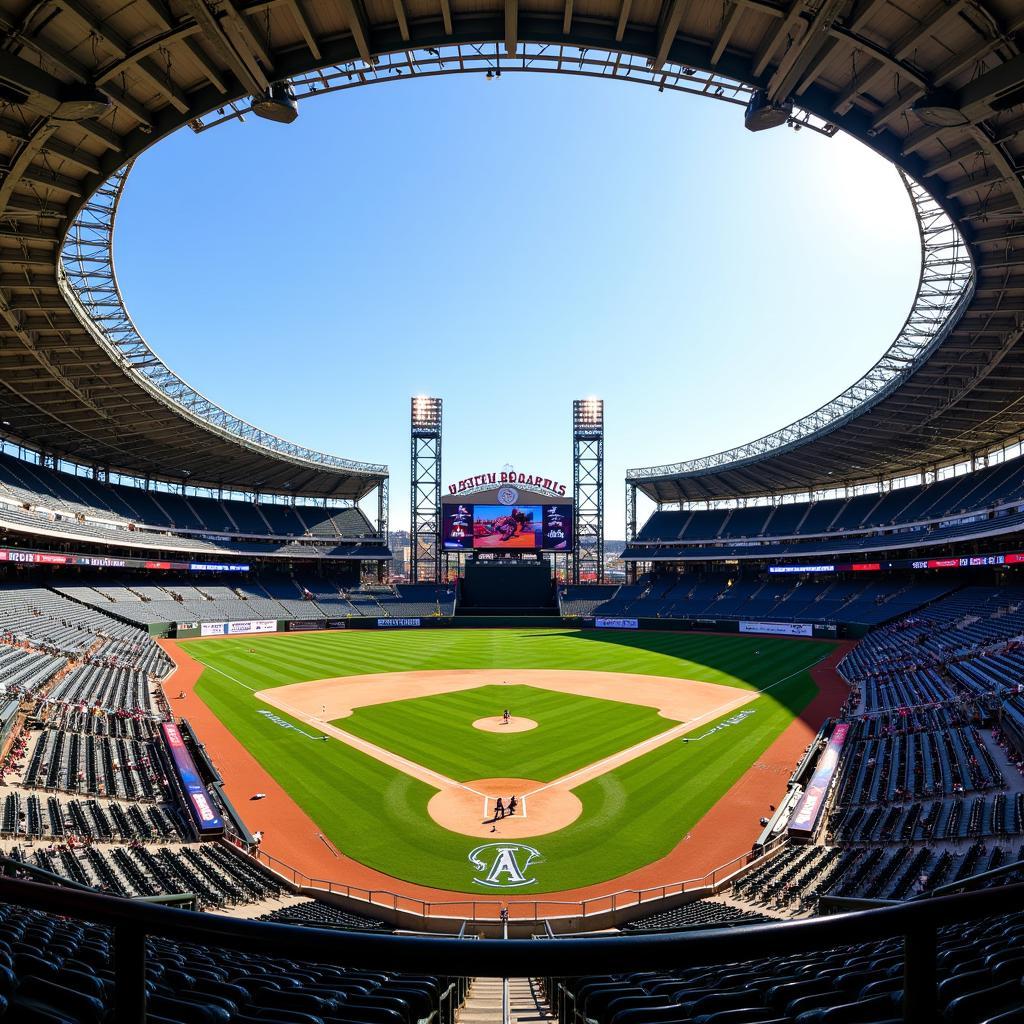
[(821, 631)]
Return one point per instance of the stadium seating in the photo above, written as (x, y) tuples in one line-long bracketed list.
[(979, 970), (775, 599), (60, 971), (268, 596), (973, 505), (37, 500)]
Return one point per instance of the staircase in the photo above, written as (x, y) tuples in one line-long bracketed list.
[(483, 1003)]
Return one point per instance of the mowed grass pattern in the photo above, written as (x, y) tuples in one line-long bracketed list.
[(293, 658), (631, 816), (571, 732)]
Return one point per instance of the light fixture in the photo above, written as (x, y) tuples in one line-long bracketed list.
[(80, 102), (278, 103), (940, 109)]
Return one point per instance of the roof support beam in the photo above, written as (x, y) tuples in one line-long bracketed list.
[(403, 21), (161, 14), (298, 10), (859, 17), (667, 29), (251, 49), (359, 26), (903, 49), (567, 18), (620, 28), (224, 47), (980, 99), (775, 35), (801, 52), (121, 49), (732, 19), (511, 26)]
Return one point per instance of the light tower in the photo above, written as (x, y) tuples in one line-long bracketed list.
[(425, 490), (588, 488)]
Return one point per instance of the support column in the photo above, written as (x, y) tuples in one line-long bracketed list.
[(630, 527), (425, 491), (383, 513), (588, 488)]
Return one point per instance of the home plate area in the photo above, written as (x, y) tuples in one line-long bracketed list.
[(472, 808)]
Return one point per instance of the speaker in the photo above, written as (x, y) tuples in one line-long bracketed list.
[(279, 104), (761, 114)]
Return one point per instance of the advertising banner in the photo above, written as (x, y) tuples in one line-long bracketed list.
[(238, 628), (808, 812), (302, 625), (200, 805), (398, 623), (254, 626), (778, 628), (30, 557), (617, 623)]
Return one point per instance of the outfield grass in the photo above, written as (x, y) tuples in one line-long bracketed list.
[(631, 816)]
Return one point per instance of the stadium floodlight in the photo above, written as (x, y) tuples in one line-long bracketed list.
[(588, 414), (426, 413)]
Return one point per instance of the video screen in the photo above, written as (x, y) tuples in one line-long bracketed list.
[(507, 527)]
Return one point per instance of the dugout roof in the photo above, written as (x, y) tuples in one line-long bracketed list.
[(935, 85)]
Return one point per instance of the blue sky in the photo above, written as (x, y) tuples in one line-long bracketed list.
[(511, 245)]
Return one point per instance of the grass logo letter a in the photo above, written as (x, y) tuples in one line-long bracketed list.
[(503, 865)]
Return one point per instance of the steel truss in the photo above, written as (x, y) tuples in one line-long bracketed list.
[(588, 488), (491, 61), (88, 282), (425, 491), (383, 525), (631, 570), (945, 288)]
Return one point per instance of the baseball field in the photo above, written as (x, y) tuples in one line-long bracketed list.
[(395, 744)]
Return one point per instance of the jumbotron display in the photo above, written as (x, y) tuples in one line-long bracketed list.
[(472, 527)]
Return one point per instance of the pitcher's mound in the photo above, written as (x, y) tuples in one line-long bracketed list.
[(497, 724), (470, 808)]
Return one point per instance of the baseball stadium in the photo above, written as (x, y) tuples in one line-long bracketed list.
[(764, 765)]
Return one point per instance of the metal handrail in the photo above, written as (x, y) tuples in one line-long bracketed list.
[(916, 922), (472, 908), (539, 908)]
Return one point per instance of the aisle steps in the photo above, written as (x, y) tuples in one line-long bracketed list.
[(483, 1003)]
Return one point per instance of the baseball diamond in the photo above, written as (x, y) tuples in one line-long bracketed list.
[(605, 785)]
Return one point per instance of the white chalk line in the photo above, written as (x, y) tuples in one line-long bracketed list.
[(623, 757), (371, 749), (653, 742)]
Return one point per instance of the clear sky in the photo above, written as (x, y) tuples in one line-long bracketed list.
[(509, 246)]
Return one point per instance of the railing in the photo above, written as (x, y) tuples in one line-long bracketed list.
[(88, 282), (490, 60), (538, 908), (916, 922)]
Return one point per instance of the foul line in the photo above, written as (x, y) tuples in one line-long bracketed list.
[(654, 742), (420, 771)]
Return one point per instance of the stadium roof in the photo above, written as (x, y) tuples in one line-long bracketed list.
[(935, 85)]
